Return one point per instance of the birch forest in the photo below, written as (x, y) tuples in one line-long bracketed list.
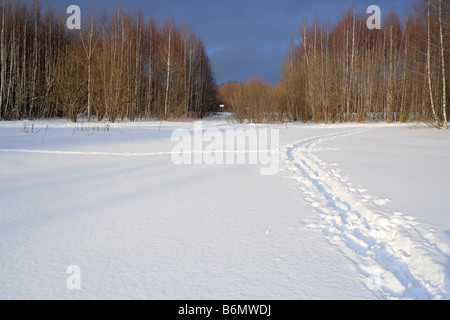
[(121, 65), (117, 66), (347, 72)]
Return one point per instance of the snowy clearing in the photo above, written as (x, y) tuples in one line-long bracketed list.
[(355, 212)]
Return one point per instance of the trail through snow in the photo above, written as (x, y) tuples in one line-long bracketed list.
[(139, 226), (399, 256)]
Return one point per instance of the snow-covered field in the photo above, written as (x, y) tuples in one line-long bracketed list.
[(355, 212)]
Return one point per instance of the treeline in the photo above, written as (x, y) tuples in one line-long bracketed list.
[(116, 67), (347, 72)]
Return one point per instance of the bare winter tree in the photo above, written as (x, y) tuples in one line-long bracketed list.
[(132, 67), (90, 38), (430, 88), (2, 59), (442, 51)]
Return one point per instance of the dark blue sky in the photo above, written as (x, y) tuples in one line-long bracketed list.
[(243, 38)]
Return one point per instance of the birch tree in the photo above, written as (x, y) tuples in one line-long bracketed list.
[(2, 59), (430, 89), (89, 39), (441, 45), (35, 59)]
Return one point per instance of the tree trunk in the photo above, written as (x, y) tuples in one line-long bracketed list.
[(9, 97), (35, 60), (137, 77), (429, 65), (2, 61), (150, 73), (168, 66), (390, 93), (441, 40), (352, 59)]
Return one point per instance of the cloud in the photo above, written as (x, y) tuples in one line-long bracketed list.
[(244, 59)]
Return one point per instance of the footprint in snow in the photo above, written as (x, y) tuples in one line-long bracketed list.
[(382, 202)]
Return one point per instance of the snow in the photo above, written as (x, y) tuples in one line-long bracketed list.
[(355, 212)]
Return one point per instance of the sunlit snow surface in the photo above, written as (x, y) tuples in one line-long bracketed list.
[(355, 212)]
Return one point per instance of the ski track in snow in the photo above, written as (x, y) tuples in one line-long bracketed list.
[(399, 257)]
